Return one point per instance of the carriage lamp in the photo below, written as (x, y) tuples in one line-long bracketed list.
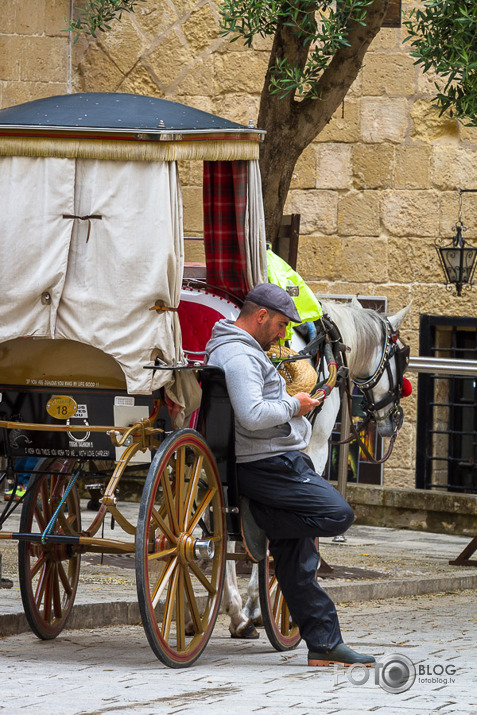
[(456, 256)]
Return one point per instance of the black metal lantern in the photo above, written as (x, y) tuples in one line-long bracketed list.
[(458, 258)]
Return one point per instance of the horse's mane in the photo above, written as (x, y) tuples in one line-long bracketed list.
[(361, 330)]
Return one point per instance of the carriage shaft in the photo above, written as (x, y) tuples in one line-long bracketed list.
[(87, 543)]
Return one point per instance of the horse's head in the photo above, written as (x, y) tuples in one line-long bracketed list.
[(383, 389)]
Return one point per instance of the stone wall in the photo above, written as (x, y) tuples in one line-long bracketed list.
[(373, 190), (417, 509), (34, 50)]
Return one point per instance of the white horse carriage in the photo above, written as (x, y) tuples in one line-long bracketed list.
[(101, 355)]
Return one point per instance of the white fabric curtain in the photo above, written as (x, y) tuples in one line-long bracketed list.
[(101, 274), (255, 228), (125, 264), (34, 240), (131, 259)]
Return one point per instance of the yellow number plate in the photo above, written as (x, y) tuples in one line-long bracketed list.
[(61, 407)]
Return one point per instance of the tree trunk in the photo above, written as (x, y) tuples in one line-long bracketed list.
[(292, 124)]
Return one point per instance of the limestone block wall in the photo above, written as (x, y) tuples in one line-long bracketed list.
[(34, 50), (374, 189)]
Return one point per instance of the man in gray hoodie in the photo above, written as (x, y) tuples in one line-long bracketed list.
[(288, 500)]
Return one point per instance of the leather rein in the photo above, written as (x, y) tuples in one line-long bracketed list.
[(393, 350)]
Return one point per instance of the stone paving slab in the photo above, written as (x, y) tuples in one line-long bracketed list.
[(407, 563), (113, 670)]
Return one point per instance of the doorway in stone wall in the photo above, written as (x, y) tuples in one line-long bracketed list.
[(446, 455)]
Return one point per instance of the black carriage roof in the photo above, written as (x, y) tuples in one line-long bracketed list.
[(111, 113)]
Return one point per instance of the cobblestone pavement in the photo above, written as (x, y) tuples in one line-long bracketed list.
[(382, 556), (112, 670)]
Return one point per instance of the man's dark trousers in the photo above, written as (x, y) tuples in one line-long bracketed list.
[(293, 505)]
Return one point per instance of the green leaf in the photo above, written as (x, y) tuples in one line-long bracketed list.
[(443, 39)]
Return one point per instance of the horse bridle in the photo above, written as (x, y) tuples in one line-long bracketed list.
[(393, 348)]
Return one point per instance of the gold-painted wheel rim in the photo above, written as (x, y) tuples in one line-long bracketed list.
[(182, 592), (49, 573)]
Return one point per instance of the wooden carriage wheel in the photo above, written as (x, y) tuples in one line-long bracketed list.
[(281, 630), (181, 549), (48, 573)]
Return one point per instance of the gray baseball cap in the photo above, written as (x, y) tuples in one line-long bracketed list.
[(272, 296)]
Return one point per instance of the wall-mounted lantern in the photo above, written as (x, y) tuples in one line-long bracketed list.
[(457, 257)]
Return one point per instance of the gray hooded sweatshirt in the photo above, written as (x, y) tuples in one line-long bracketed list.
[(265, 422)]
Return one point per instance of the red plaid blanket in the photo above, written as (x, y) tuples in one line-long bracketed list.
[(225, 203)]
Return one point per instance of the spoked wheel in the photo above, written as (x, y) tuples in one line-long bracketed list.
[(281, 630), (180, 549), (49, 573)]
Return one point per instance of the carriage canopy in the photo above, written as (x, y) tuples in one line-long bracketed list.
[(91, 230)]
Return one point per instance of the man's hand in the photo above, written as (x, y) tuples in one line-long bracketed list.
[(307, 403)]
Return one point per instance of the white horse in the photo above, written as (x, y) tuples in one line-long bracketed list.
[(368, 336)]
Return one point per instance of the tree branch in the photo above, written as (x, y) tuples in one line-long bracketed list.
[(292, 124), (312, 115)]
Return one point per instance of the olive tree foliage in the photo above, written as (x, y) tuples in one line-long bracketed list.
[(317, 49), (443, 38), (94, 16)]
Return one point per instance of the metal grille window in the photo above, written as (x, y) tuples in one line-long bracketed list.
[(447, 409)]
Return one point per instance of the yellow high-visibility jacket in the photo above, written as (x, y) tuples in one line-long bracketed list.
[(282, 274)]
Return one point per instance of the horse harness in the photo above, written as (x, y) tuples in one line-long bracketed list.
[(393, 349)]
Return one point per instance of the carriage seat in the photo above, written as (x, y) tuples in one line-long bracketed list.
[(216, 424), (196, 322), (198, 311)]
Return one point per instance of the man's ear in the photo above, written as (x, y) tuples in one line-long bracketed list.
[(261, 315)]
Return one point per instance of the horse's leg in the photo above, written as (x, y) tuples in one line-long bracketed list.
[(240, 624), (252, 607)]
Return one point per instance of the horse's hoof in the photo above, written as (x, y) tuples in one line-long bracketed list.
[(258, 621), (247, 630)]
